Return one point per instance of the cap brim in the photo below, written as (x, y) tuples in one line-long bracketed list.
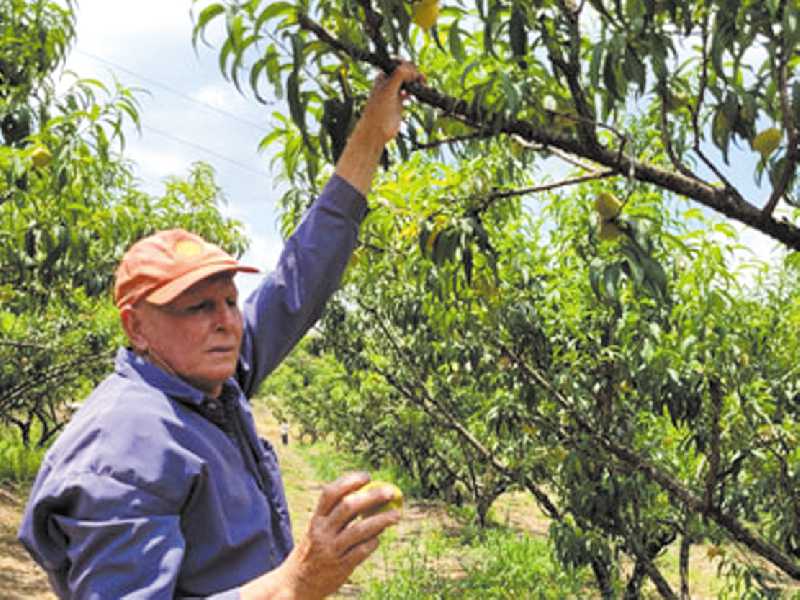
[(167, 293)]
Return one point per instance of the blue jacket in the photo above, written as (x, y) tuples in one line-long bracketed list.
[(154, 490)]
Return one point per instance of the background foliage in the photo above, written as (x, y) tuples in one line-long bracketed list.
[(69, 206), (493, 332)]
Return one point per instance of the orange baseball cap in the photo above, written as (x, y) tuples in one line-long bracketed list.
[(160, 267)]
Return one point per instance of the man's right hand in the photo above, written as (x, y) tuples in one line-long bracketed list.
[(379, 123), (336, 542)]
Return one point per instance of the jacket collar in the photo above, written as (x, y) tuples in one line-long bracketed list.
[(133, 366)]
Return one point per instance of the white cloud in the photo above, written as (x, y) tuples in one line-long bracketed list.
[(217, 96), (112, 20), (156, 164), (263, 253)]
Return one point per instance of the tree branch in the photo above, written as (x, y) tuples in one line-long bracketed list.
[(571, 69), (725, 201), (373, 27), (545, 187), (443, 415), (674, 487), (714, 451)]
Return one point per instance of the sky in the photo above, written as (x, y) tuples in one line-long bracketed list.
[(192, 113), (189, 113)]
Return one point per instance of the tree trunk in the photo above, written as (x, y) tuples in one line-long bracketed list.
[(686, 544), (604, 578)]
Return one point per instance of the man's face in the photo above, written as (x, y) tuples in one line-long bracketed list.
[(197, 335)]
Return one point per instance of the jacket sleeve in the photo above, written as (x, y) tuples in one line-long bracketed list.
[(291, 298), (102, 551)]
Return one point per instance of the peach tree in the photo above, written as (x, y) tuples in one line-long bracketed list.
[(69, 206), (546, 270)]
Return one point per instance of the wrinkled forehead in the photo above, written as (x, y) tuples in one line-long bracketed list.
[(213, 284)]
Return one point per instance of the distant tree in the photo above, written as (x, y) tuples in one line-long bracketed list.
[(69, 206)]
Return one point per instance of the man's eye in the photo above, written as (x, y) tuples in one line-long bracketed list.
[(198, 307), (231, 301)]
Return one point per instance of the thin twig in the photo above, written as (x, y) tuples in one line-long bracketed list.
[(546, 187), (16, 344)]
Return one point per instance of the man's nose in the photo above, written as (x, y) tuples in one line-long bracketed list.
[(227, 316)]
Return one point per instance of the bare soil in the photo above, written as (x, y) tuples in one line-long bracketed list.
[(20, 577)]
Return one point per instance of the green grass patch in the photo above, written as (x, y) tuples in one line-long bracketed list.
[(462, 562), (18, 464), (499, 564), (328, 463)]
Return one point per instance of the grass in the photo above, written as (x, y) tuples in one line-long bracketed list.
[(496, 563), (18, 464), (328, 464)]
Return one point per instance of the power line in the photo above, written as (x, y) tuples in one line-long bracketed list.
[(196, 146), (172, 90), (177, 92)]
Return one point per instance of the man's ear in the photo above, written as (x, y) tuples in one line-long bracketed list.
[(132, 323)]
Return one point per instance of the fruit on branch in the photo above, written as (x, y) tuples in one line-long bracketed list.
[(766, 142), (41, 157), (607, 205), (425, 13), (608, 231)]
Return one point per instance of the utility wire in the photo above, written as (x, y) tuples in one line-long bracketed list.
[(173, 137), (196, 146), (172, 90)]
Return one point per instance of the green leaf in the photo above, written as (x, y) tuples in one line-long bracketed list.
[(594, 280), (465, 73), (611, 277), (511, 97), (224, 55), (255, 74), (655, 276), (237, 63), (273, 9), (596, 64), (518, 35), (455, 44), (634, 69), (488, 28), (236, 29), (206, 16), (633, 260), (425, 231), (612, 78)]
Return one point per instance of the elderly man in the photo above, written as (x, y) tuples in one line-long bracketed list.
[(159, 487)]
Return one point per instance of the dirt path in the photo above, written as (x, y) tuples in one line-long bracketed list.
[(20, 577), (303, 489)]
